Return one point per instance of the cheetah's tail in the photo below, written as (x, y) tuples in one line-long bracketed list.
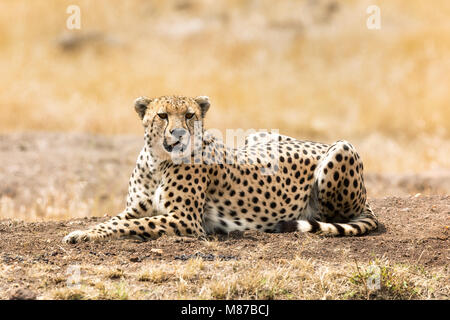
[(360, 225)]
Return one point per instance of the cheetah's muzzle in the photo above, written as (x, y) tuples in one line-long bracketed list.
[(169, 148), (176, 147), (181, 138)]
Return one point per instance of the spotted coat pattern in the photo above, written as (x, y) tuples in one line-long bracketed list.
[(274, 183)]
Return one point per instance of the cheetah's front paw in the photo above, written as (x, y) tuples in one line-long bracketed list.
[(76, 237)]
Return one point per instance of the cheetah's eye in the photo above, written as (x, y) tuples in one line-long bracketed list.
[(189, 115), (162, 115)]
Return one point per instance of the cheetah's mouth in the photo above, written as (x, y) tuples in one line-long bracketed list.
[(177, 146)]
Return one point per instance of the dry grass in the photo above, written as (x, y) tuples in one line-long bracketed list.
[(298, 66), (155, 276), (53, 204), (287, 279)]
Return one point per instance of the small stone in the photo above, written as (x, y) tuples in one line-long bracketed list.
[(157, 251), (184, 240), (135, 259), (23, 294)]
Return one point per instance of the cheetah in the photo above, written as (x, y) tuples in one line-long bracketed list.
[(187, 182)]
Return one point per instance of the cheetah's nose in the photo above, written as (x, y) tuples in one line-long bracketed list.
[(178, 132)]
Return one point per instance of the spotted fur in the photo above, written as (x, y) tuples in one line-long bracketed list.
[(187, 187)]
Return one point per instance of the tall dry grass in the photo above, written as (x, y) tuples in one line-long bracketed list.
[(308, 68)]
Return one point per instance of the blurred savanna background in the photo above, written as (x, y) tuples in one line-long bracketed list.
[(311, 69)]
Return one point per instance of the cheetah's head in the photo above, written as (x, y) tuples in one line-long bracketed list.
[(171, 122)]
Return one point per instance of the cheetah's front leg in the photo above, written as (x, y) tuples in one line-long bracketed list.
[(140, 209), (142, 229), (184, 221)]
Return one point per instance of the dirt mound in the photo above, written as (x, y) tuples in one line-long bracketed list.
[(414, 231)]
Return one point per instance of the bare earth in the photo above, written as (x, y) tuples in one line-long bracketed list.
[(410, 250)]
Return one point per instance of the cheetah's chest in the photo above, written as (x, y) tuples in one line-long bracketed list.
[(158, 203)]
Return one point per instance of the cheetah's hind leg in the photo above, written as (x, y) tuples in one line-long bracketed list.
[(339, 198)]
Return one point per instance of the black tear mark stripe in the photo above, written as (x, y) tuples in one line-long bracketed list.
[(167, 124)]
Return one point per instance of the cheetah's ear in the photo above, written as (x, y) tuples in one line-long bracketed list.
[(203, 102), (140, 105)]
